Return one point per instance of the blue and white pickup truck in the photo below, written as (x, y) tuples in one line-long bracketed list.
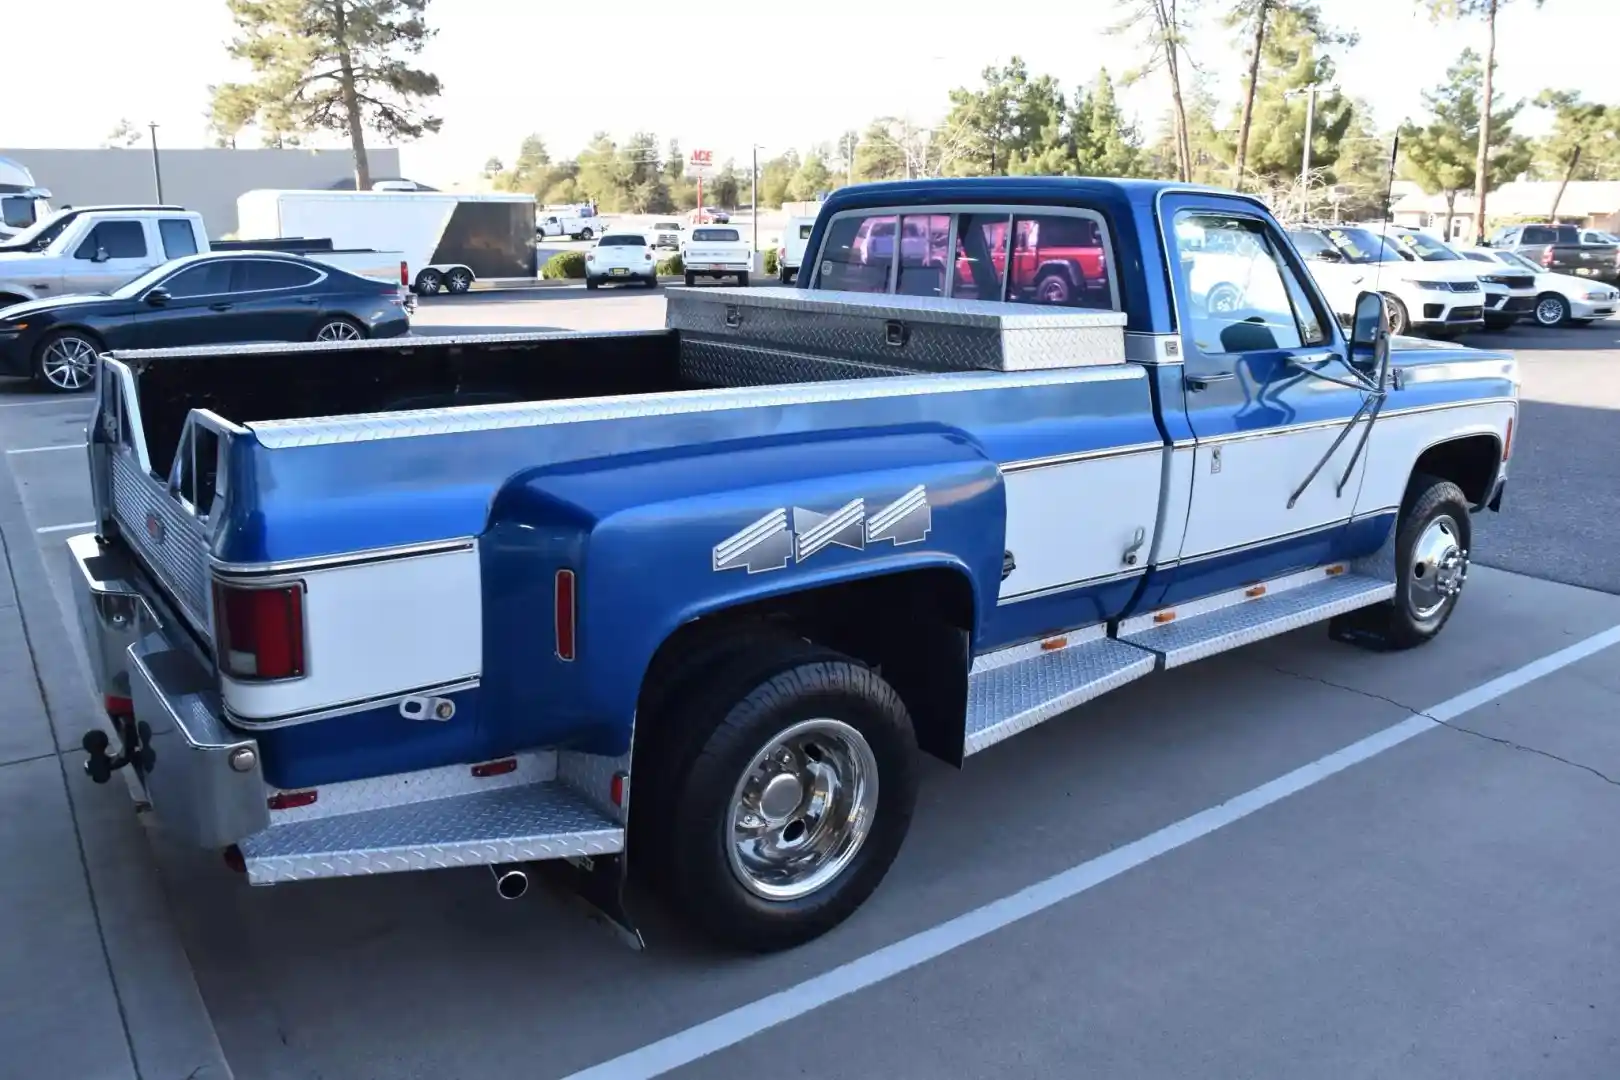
[(376, 606)]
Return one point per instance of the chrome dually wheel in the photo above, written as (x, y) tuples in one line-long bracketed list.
[(802, 809), (1438, 568)]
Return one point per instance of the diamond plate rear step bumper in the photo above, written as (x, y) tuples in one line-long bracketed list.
[(511, 825)]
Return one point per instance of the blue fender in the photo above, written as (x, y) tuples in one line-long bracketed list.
[(660, 539)]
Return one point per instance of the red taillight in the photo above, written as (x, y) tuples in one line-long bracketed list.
[(1507, 440), (1547, 258), (565, 614), (292, 800), (486, 769), (259, 632), (404, 275)]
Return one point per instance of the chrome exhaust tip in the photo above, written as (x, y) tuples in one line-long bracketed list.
[(510, 881)]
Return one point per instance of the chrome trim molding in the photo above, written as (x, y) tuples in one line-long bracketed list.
[(258, 571), (328, 712), (1028, 464), (1341, 421)]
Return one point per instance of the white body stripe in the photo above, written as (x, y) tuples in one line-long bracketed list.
[(1054, 529), (1398, 441), (377, 629)]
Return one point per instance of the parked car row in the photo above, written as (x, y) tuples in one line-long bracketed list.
[(87, 280), (1444, 290)]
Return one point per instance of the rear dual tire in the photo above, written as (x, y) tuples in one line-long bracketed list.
[(787, 786)]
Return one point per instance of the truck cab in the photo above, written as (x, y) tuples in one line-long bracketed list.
[(749, 565), (95, 249)]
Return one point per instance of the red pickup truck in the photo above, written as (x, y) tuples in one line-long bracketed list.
[(1055, 259)]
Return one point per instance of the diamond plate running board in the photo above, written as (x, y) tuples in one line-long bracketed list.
[(1014, 689), (517, 824), (1205, 627)]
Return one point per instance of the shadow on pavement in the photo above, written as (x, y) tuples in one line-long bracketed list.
[(1598, 335), (1562, 500)]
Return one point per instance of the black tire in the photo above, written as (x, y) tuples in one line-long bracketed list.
[(741, 707), (742, 281), (592, 283), (1400, 321), (1551, 310), (587, 235), (429, 282), (59, 365), (691, 279), (1054, 288), (458, 281), (651, 281), (783, 274), (1429, 499)]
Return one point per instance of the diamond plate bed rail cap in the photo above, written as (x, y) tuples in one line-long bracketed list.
[(934, 309)]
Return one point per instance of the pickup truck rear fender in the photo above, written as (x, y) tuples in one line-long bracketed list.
[(663, 540)]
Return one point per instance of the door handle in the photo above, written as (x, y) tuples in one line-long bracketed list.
[(309, 300), (1204, 382), (219, 307)]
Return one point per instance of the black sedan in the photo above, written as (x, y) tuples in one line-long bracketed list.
[(210, 299)]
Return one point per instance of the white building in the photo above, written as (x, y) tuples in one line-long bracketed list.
[(1592, 204)]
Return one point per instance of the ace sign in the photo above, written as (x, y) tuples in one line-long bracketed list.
[(700, 164)]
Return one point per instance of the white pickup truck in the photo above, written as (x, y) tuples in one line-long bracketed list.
[(716, 251), (93, 249)]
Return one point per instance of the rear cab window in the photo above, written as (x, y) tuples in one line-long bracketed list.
[(1055, 257), (716, 235), (179, 239), (622, 240)]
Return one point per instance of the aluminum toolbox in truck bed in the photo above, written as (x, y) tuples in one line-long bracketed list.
[(830, 335)]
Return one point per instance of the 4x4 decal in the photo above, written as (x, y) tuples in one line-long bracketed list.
[(771, 542)]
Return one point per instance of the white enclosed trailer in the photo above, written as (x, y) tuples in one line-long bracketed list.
[(450, 239)]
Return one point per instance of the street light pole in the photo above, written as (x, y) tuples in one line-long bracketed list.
[(1310, 93), (157, 171), (753, 197)]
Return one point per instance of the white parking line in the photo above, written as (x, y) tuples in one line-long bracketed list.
[(749, 1020), (66, 528), (44, 449)]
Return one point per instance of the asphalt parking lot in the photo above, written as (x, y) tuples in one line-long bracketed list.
[(1297, 860)]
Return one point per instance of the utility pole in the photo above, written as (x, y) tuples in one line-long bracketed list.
[(1310, 93), (157, 171), (753, 196)]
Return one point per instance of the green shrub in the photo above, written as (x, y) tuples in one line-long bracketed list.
[(564, 264), (672, 267), (771, 263)]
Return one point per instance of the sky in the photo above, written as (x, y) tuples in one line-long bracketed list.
[(779, 76)]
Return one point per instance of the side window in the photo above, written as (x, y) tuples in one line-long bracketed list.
[(1242, 295), (924, 241), (1060, 260), (258, 275), (206, 279), (119, 239), (856, 255), (17, 211), (981, 257), (178, 237)]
